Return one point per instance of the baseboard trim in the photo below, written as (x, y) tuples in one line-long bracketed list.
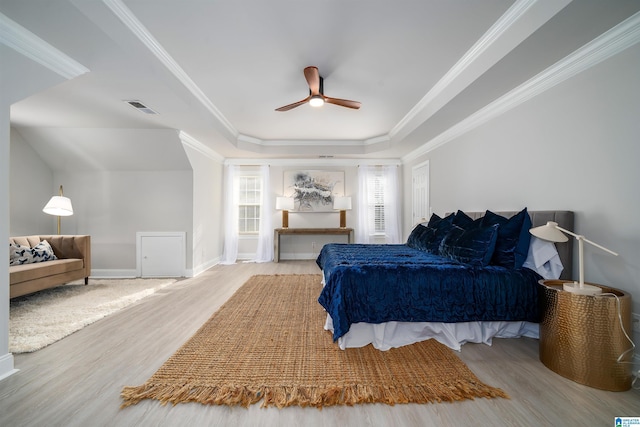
[(132, 273), (284, 256), (204, 267), (113, 274), (298, 256), (6, 366)]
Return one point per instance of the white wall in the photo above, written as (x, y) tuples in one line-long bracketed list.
[(6, 358), (30, 189), (20, 78), (305, 247), (112, 206), (208, 233), (574, 147)]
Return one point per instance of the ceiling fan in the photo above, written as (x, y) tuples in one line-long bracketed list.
[(316, 96)]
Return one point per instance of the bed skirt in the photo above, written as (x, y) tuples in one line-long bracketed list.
[(384, 336)]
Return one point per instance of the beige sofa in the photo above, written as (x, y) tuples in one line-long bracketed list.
[(73, 263)]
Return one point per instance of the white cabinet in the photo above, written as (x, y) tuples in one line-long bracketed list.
[(161, 254)]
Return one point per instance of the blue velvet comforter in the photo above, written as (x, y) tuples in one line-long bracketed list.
[(381, 283)]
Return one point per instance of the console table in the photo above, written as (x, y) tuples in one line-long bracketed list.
[(306, 231)]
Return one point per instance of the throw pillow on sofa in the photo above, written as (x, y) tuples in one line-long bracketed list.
[(21, 254), (43, 252)]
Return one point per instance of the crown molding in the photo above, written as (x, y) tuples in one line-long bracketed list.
[(495, 33), (382, 139), (28, 44), (305, 142), (311, 162), (500, 37), (617, 39), (140, 31), (198, 146)]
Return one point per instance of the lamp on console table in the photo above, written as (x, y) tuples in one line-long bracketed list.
[(285, 204), (343, 204), (59, 206)]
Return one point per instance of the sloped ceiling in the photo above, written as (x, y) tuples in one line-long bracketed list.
[(216, 71)]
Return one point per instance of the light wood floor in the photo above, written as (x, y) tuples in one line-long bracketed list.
[(77, 381)]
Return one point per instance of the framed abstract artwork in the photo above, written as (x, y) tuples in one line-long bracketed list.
[(313, 190)]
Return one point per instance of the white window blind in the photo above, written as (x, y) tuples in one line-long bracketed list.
[(378, 204), (376, 201), (249, 199)]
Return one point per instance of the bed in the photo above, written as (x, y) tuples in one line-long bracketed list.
[(437, 287)]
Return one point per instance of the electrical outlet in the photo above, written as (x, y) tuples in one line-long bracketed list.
[(635, 318)]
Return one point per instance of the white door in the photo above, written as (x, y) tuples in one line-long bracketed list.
[(420, 188), (161, 254)]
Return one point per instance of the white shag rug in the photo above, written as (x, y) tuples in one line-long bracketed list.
[(40, 319)]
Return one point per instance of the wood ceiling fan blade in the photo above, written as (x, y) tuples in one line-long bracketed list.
[(342, 102), (313, 79), (294, 105)]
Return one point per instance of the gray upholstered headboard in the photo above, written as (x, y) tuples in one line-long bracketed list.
[(564, 220)]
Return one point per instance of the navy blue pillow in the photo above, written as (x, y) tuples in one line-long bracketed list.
[(474, 247), (512, 246), (415, 238), (435, 220), (439, 227), (463, 220)]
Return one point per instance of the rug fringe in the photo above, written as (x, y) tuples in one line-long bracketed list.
[(313, 396)]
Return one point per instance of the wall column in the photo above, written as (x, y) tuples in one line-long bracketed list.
[(6, 358)]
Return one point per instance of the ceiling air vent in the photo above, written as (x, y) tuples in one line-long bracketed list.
[(140, 107), (325, 156)]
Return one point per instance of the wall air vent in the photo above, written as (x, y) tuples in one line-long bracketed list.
[(140, 107), (326, 156)]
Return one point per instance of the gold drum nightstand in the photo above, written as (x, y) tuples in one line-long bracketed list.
[(581, 338)]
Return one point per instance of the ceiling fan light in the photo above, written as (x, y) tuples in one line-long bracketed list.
[(316, 101)]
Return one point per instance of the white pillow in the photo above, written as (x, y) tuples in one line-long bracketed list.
[(43, 252), (543, 258), (19, 254)]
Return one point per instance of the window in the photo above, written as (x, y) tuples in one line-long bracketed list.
[(376, 200), (378, 204), (249, 196)]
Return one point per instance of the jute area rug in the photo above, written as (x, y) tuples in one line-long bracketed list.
[(267, 343), (42, 318)]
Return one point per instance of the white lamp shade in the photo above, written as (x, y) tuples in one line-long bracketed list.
[(59, 206), (549, 232), (342, 203), (285, 203)]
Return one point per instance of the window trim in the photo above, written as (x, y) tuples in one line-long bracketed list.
[(376, 207), (258, 178)]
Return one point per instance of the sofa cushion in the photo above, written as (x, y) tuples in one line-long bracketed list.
[(25, 272), (29, 241)]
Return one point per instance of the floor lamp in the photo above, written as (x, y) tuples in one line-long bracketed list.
[(59, 206)]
